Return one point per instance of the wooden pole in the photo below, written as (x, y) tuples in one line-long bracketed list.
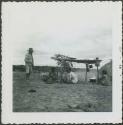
[(86, 73), (57, 74), (97, 75)]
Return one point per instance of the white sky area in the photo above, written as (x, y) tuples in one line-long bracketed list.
[(75, 29)]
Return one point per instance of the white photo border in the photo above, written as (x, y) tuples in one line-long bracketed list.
[(8, 116)]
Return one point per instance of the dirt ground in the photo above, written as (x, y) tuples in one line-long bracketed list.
[(37, 96)]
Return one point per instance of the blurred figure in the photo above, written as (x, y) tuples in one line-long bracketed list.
[(70, 76), (29, 63), (73, 77)]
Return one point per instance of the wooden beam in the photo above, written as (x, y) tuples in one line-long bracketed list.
[(79, 60)]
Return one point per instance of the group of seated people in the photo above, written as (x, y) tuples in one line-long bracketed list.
[(70, 77), (52, 76)]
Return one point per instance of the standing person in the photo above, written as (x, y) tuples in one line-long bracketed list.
[(29, 63)]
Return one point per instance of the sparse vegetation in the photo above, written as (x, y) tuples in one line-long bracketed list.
[(36, 96)]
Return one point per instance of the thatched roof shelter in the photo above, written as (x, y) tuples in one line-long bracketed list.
[(106, 69)]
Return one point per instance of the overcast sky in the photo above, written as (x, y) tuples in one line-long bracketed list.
[(80, 30)]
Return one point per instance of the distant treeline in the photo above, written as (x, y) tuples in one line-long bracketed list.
[(35, 68), (39, 68)]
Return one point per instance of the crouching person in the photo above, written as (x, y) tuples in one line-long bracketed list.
[(29, 63), (73, 77)]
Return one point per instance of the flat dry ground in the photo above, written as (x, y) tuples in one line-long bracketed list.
[(58, 97)]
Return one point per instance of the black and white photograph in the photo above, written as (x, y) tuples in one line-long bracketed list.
[(62, 57)]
